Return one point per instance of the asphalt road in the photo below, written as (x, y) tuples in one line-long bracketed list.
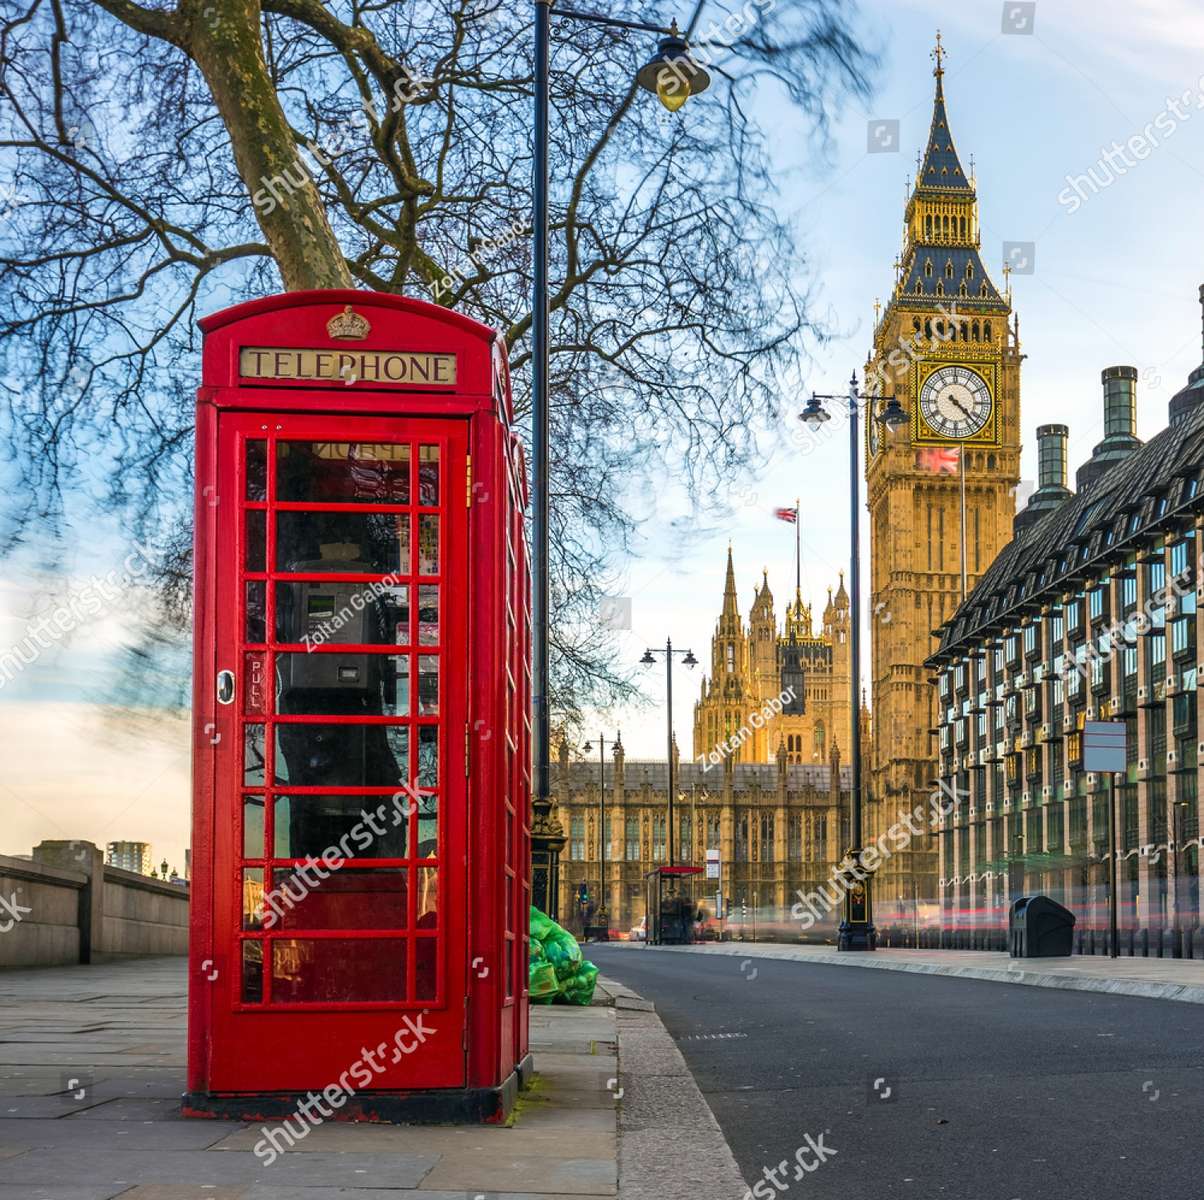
[(931, 1087)]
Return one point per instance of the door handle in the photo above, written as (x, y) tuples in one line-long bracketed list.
[(225, 687)]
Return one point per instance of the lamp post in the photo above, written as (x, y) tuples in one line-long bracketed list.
[(602, 915), (690, 661), (674, 77), (857, 929)]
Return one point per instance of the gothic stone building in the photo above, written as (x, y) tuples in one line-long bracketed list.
[(753, 664), (1091, 613), (778, 827)]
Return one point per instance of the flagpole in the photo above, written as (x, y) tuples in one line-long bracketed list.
[(798, 520), (961, 458)]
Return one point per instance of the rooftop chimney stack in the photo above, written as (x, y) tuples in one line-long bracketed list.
[(1051, 477), (1192, 393), (1120, 425)]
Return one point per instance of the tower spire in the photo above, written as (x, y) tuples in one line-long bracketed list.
[(938, 56)]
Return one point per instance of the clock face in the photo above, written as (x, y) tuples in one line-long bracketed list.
[(955, 402), (873, 432)]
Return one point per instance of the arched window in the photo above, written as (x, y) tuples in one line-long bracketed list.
[(940, 329), (940, 288), (976, 331), (969, 270), (963, 291), (948, 268), (919, 288), (986, 331), (990, 462), (928, 329), (982, 291), (928, 226), (915, 324), (819, 737), (962, 224), (928, 268), (965, 329)]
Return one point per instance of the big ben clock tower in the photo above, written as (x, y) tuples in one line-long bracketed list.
[(940, 490)]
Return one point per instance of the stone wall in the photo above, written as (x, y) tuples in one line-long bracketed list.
[(66, 906)]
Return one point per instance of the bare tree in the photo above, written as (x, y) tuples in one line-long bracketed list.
[(165, 161)]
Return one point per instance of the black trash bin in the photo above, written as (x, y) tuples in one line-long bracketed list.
[(1040, 928)]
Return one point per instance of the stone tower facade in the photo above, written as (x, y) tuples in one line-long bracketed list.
[(751, 665), (941, 490)]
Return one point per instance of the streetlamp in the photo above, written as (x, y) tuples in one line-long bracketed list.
[(601, 916), (690, 661), (674, 77), (857, 929)]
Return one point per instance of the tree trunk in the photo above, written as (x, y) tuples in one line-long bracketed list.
[(224, 42)]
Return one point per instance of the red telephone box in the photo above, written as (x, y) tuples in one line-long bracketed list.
[(361, 734)]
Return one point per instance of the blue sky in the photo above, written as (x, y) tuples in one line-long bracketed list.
[(1114, 282)]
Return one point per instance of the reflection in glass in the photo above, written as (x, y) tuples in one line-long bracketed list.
[(428, 897), (326, 613), (252, 827), (340, 683), (255, 558), (428, 544), (428, 475), (345, 542), (343, 472), (349, 898), (316, 755), (253, 755), (347, 969), (426, 968), (252, 972), (255, 610), (428, 685), (428, 614), (257, 469), (353, 826), (252, 898), (428, 756), (427, 807)]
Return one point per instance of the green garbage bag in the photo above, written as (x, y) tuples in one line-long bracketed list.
[(558, 973)]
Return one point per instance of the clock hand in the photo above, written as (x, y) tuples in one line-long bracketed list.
[(961, 408)]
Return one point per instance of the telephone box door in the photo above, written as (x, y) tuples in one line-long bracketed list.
[(340, 660)]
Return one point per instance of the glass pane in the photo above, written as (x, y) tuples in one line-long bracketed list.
[(252, 972), (428, 544), (428, 756), (428, 825), (343, 614), (343, 472), (256, 546), (345, 542), (253, 761), (314, 755), (349, 898), (255, 612), (352, 826), (428, 614), (326, 969), (426, 968), (428, 685), (257, 469), (428, 475), (346, 684), (252, 827), (428, 897), (252, 898)]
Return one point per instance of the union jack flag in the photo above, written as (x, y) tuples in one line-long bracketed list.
[(789, 515), (941, 460)]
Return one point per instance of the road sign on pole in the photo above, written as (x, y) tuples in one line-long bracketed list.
[(1104, 753)]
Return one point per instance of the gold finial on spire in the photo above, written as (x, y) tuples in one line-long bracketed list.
[(939, 55), (1007, 278), (877, 311), (973, 176)]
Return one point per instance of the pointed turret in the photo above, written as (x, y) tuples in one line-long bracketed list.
[(842, 597), (941, 169), (729, 618)]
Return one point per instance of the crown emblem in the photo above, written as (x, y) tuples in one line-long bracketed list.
[(348, 326)]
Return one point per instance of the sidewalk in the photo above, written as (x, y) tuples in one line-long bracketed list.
[(1153, 978), (92, 1068)]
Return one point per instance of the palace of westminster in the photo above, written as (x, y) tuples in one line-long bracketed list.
[(996, 634)]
